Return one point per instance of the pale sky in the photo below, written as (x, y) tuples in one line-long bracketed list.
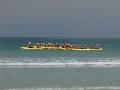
[(59, 18)]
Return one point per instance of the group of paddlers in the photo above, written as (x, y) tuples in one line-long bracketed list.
[(56, 45)]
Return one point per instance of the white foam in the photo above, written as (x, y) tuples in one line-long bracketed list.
[(72, 88), (64, 64)]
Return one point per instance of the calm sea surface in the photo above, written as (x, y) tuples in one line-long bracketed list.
[(24, 69)]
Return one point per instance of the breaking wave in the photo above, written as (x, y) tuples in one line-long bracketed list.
[(38, 62), (74, 88), (62, 64)]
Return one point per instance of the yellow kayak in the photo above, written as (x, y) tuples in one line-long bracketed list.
[(60, 48)]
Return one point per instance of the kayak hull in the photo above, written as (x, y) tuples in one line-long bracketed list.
[(60, 48)]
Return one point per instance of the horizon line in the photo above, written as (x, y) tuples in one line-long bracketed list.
[(60, 37)]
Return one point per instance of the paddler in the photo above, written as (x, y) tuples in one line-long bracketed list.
[(97, 46), (38, 45), (85, 46), (77, 46), (29, 45)]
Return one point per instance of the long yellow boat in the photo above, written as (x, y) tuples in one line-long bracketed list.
[(60, 48)]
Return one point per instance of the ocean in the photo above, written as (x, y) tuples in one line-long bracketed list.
[(57, 69)]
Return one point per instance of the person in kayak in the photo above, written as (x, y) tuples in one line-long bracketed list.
[(38, 45), (29, 45), (85, 47), (91, 46), (97, 46)]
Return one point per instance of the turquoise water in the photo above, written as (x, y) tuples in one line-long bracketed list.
[(10, 48), (21, 69)]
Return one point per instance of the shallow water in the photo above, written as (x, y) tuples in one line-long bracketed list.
[(84, 77)]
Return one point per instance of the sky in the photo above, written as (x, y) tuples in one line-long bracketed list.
[(59, 18)]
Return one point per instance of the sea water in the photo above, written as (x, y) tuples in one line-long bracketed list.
[(58, 69)]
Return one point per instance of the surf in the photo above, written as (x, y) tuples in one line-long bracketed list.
[(63, 64), (70, 88)]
